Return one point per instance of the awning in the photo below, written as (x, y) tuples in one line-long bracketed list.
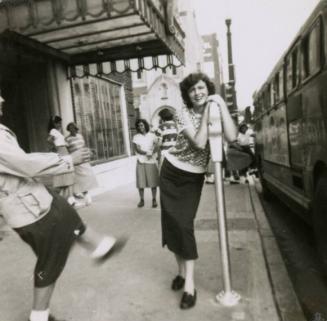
[(100, 32), (162, 62)]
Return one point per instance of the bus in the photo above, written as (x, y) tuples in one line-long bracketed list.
[(290, 121)]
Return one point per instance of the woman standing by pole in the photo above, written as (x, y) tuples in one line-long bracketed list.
[(182, 176)]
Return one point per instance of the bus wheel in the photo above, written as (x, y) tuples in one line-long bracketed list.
[(320, 217)]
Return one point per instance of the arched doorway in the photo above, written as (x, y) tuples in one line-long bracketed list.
[(155, 117)]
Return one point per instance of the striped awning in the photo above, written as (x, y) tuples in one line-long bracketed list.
[(107, 34), (138, 65)]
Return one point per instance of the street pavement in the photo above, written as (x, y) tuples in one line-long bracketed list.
[(135, 285)]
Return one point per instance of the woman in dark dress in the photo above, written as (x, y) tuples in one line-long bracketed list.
[(182, 176)]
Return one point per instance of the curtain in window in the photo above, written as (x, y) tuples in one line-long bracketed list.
[(99, 117)]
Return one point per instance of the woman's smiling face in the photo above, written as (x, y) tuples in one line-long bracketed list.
[(198, 94), (141, 127)]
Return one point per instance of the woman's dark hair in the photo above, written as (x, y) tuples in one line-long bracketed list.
[(166, 114), (52, 121), (71, 124), (190, 81), (144, 122)]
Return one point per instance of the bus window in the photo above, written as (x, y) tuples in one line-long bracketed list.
[(276, 89), (272, 94), (267, 98), (261, 103), (292, 70), (311, 60), (281, 84), (259, 106), (289, 74)]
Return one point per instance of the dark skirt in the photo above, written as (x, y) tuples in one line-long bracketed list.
[(51, 239), (180, 194)]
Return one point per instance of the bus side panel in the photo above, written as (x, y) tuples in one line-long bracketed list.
[(314, 97), (273, 151), (274, 136), (295, 130)]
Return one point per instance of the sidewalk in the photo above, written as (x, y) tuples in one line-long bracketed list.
[(135, 286)]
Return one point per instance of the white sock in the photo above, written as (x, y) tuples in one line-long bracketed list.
[(37, 315), (103, 247)]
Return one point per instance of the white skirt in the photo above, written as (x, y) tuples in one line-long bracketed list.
[(84, 178)]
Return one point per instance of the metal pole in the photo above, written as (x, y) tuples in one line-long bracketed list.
[(227, 297), (223, 237)]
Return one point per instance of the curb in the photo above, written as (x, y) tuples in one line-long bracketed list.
[(286, 301)]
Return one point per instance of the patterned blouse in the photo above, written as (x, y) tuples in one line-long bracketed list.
[(183, 155), (167, 131)]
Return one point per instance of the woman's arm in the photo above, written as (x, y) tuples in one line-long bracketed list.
[(230, 131), (199, 138), (138, 149)]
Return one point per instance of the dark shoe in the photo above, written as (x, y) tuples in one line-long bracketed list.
[(116, 249), (141, 203), (52, 318), (188, 300), (234, 182), (177, 283), (154, 203)]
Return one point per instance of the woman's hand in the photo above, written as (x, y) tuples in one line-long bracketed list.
[(230, 130), (50, 139), (216, 98)]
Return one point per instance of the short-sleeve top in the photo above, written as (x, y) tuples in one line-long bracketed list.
[(183, 155), (75, 143), (167, 131), (59, 139), (147, 143)]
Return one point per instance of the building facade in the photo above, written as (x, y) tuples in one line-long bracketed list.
[(158, 89), (74, 58)]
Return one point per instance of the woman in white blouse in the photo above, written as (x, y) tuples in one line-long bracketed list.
[(62, 183), (147, 174)]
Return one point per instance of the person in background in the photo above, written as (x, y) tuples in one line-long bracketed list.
[(245, 141), (42, 219), (62, 183), (167, 132), (85, 179), (147, 175), (230, 175), (182, 176)]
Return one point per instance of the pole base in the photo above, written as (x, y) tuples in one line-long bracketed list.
[(228, 299)]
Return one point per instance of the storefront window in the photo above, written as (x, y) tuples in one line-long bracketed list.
[(98, 113)]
